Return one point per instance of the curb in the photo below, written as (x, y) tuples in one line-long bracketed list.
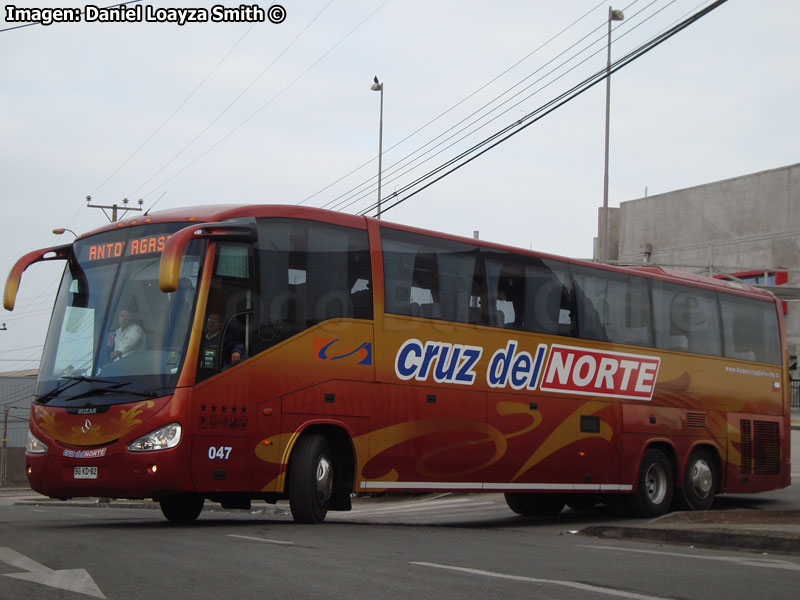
[(717, 540)]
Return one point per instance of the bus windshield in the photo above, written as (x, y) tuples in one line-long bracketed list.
[(114, 334)]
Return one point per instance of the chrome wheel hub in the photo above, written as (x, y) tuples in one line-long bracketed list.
[(324, 479), (701, 478), (655, 482)]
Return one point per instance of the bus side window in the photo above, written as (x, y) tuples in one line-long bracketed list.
[(505, 288), (548, 297), (442, 277), (612, 306), (308, 272), (686, 319), (226, 338), (750, 329)]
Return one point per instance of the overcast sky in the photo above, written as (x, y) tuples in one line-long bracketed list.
[(209, 113)]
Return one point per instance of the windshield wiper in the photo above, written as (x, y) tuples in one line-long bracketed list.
[(111, 389), (116, 384), (73, 380), (45, 398)]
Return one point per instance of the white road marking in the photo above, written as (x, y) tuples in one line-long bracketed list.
[(416, 503), (258, 539), (763, 563), (408, 508), (73, 580), (570, 584)]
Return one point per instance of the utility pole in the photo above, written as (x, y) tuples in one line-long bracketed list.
[(114, 208)]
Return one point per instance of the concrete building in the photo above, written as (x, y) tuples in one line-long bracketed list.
[(747, 227), (16, 394)]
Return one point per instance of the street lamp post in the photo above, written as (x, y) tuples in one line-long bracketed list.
[(62, 230), (613, 15), (377, 86)]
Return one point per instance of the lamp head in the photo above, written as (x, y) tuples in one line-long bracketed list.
[(377, 86)]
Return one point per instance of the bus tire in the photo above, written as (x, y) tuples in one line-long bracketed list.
[(182, 508), (311, 475), (699, 482), (535, 505), (655, 486)]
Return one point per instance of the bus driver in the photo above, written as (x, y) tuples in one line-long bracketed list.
[(128, 338), (214, 352)]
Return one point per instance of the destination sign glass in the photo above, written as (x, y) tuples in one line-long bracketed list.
[(152, 244), (129, 242)]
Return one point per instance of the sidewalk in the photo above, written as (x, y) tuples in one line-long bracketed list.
[(773, 531)]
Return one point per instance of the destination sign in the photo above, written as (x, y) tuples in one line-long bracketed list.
[(152, 244)]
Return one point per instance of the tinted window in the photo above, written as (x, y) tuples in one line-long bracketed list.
[(612, 307), (529, 293), (686, 319), (750, 329), (432, 278), (309, 272)]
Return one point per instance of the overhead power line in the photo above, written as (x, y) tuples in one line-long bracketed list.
[(510, 131), (272, 99), (367, 188), (236, 99), (444, 113), (174, 112)]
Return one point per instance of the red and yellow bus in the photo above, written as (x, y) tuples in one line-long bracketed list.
[(239, 353)]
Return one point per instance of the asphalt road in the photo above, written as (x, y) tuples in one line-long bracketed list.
[(444, 547), (447, 547)]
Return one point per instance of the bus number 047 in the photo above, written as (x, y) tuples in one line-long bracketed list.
[(219, 452)]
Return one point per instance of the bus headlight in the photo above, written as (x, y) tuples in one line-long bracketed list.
[(160, 439), (34, 445)]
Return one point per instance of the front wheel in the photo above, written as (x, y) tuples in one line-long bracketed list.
[(182, 508), (655, 485), (310, 479), (700, 481)]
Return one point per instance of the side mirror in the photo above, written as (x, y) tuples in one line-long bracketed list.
[(15, 275), (235, 230)]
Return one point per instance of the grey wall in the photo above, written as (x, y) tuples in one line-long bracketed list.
[(747, 223)]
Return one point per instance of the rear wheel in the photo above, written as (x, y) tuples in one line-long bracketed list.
[(535, 505), (182, 508), (700, 481), (655, 486), (310, 479)]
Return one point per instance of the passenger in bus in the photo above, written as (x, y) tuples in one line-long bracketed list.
[(216, 353), (128, 337)]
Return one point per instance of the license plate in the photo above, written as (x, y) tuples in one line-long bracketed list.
[(85, 473)]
